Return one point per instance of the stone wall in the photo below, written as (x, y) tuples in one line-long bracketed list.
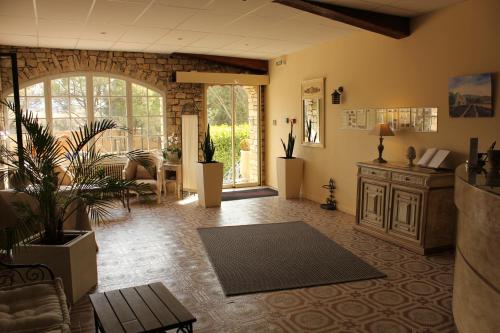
[(156, 70)]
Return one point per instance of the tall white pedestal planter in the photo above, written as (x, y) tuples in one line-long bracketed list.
[(290, 172), (209, 183), (74, 262)]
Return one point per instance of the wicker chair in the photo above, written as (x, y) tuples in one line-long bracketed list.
[(153, 178)]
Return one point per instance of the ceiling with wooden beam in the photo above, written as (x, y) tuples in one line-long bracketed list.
[(258, 29), (386, 24)]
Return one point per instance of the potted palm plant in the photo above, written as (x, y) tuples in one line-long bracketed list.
[(289, 170), (38, 235), (209, 175)]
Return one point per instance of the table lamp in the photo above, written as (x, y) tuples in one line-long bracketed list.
[(381, 130)]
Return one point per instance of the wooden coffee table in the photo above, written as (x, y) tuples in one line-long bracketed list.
[(147, 308)]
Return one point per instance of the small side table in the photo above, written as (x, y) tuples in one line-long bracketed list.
[(177, 168), (147, 308)]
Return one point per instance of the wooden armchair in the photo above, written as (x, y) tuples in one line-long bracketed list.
[(153, 177)]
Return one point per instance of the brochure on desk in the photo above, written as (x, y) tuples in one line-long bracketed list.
[(434, 158)]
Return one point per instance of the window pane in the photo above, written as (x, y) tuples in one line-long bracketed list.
[(101, 106), (154, 142), (118, 106), (77, 123), (140, 106), (60, 107), (154, 106), (155, 126), (35, 90), (59, 87), (117, 87), (36, 105), (140, 126), (78, 107), (61, 125), (140, 142), (138, 90), (77, 86), (153, 93), (101, 86), (122, 123)]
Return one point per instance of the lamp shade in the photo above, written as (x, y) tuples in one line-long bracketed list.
[(382, 130)]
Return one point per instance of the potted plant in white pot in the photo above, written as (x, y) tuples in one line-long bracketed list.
[(38, 235), (209, 175), (289, 170)]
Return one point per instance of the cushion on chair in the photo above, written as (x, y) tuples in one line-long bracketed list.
[(142, 173), (34, 307)]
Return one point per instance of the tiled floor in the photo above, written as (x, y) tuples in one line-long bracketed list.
[(160, 243)]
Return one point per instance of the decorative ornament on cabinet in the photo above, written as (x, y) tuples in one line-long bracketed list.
[(411, 154)]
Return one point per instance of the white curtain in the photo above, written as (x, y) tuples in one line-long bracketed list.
[(189, 151)]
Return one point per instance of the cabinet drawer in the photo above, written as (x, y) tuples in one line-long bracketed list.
[(382, 174), (408, 178)]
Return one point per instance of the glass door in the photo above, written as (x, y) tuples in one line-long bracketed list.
[(233, 115)]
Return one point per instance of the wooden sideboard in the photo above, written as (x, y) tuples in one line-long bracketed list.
[(408, 206)]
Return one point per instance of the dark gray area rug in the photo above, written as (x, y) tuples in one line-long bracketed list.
[(265, 257), (248, 194)]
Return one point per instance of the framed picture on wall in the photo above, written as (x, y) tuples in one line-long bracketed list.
[(470, 96)]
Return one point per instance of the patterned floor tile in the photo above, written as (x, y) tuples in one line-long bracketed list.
[(159, 242)]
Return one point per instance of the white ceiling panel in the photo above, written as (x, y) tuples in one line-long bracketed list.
[(90, 44), (59, 29), (19, 8), (116, 12), (162, 16), (197, 4), (133, 47), (162, 48), (248, 43), (181, 37), (143, 35), (68, 10), (252, 28), (18, 40), (18, 25), (63, 43), (99, 31), (277, 11), (216, 40), (236, 7), (207, 22)]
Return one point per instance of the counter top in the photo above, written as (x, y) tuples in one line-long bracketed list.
[(485, 180)]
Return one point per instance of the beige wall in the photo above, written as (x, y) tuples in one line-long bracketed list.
[(378, 71)]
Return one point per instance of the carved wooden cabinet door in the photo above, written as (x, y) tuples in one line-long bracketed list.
[(373, 204), (406, 212)]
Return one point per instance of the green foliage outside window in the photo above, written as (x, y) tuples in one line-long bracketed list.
[(221, 135)]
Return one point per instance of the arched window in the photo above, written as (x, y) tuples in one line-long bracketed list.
[(66, 103)]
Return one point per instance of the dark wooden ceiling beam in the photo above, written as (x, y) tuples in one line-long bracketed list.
[(389, 25), (257, 65)]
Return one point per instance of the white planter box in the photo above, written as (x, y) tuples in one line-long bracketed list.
[(75, 262), (289, 177), (209, 183)]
